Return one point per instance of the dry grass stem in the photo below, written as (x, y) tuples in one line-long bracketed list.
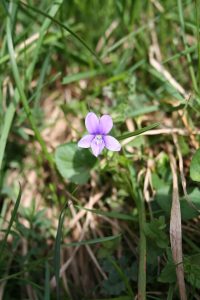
[(82, 231), (176, 229), (170, 131), (166, 74), (108, 32), (181, 167)]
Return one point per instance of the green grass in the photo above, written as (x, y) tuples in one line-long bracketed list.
[(135, 60)]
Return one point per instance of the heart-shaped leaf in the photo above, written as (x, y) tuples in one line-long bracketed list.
[(74, 163)]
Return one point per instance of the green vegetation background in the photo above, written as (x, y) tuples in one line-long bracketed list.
[(76, 227)]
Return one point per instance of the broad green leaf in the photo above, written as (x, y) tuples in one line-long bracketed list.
[(120, 274), (192, 270), (74, 163), (168, 274), (195, 166), (193, 277), (155, 230), (189, 207), (123, 277)]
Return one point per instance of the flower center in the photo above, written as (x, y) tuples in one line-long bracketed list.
[(98, 139)]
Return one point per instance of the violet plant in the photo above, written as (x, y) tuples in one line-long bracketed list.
[(98, 137)]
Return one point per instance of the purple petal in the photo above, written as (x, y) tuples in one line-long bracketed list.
[(105, 124), (111, 143), (85, 142), (97, 148), (92, 123)]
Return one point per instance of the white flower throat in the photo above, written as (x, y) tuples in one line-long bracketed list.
[(98, 139)]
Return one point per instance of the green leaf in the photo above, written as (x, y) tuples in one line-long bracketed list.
[(168, 274), (155, 231), (192, 270), (195, 166), (123, 277), (189, 207), (137, 132), (74, 163), (120, 273)]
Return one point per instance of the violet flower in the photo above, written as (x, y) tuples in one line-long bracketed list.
[(97, 138)]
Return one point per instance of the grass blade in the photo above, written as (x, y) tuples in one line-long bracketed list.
[(66, 28), (94, 241), (10, 112), (5, 6), (79, 76), (137, 132), (182, 53), (191, 69), (143, 111), (47, 284), (14, 213), (21, 91), (57, 251), (198, 39), (53, 11), (112, 214)]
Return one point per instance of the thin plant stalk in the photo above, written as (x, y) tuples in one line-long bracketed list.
[(139, 200), (142, 251)]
